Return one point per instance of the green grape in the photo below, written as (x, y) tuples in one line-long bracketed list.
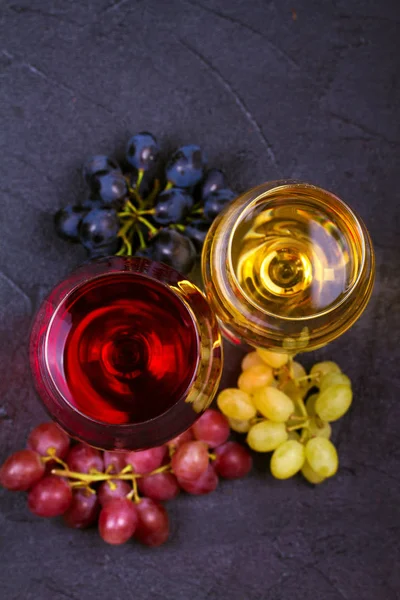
[(333, 379), (319, 428), (266, 436), (311, 475), (287, 459), (334, 402), (310, 404), (239, 426), (252, 359), (255, 377), (236, 404), (298, 371), (295, 392), (322, 368), (273, 404), (322, 456), (276, 360)]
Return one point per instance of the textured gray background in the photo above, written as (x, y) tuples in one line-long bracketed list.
[(267, 95)]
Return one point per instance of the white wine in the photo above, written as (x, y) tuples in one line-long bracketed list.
[(293, 259)]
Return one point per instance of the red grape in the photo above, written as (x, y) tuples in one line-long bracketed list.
[(21, 470), (161, 486), (49, 435), (145, 461), (83, 458), (50, 497), (153, 525), (118, 520), (233, 460), (116, 459), (118, 489), (190, 460), (82, 511), (212, 428), (186, 436), (206, 483)]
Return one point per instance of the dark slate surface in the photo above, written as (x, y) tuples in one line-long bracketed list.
[(268, 94)]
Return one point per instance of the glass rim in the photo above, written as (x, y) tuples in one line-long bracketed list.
[(250, 206)]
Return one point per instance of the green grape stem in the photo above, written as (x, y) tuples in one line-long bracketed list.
[(300, 403), (299, 426), (178, 227), (139, 178), (134, 494), (134, 212), (303, 435), (149, 226), (307, 378), (141, 238), (149, 201), (79, 480)]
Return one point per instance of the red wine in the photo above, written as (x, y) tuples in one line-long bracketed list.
[(122, 348)]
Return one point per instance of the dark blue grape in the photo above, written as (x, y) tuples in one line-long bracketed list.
[(173, 249), (110, 188), (98, 165), (142, 151), (67, 221), (91, 203), (216, 202), (185, 168), (145, 253), (213, 181), (105, 250), (98, 229), (197, 231), (172, 206)]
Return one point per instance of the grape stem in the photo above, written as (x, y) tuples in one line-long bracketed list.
[(303, 434), (307, 378), (134, 493), (153, 194), (133, 212), (149, 226), (178, 226), (141, 238), (300, 403), (295, 417), (299, 426), (139, 178), (83, 480)]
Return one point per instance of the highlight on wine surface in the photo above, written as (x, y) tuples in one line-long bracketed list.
[(126, 353), (288, 266)]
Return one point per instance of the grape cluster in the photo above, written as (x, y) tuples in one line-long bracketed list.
[(122, 491), (162, 214), (287, 412)]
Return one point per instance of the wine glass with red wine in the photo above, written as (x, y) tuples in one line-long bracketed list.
[(125, 353)]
